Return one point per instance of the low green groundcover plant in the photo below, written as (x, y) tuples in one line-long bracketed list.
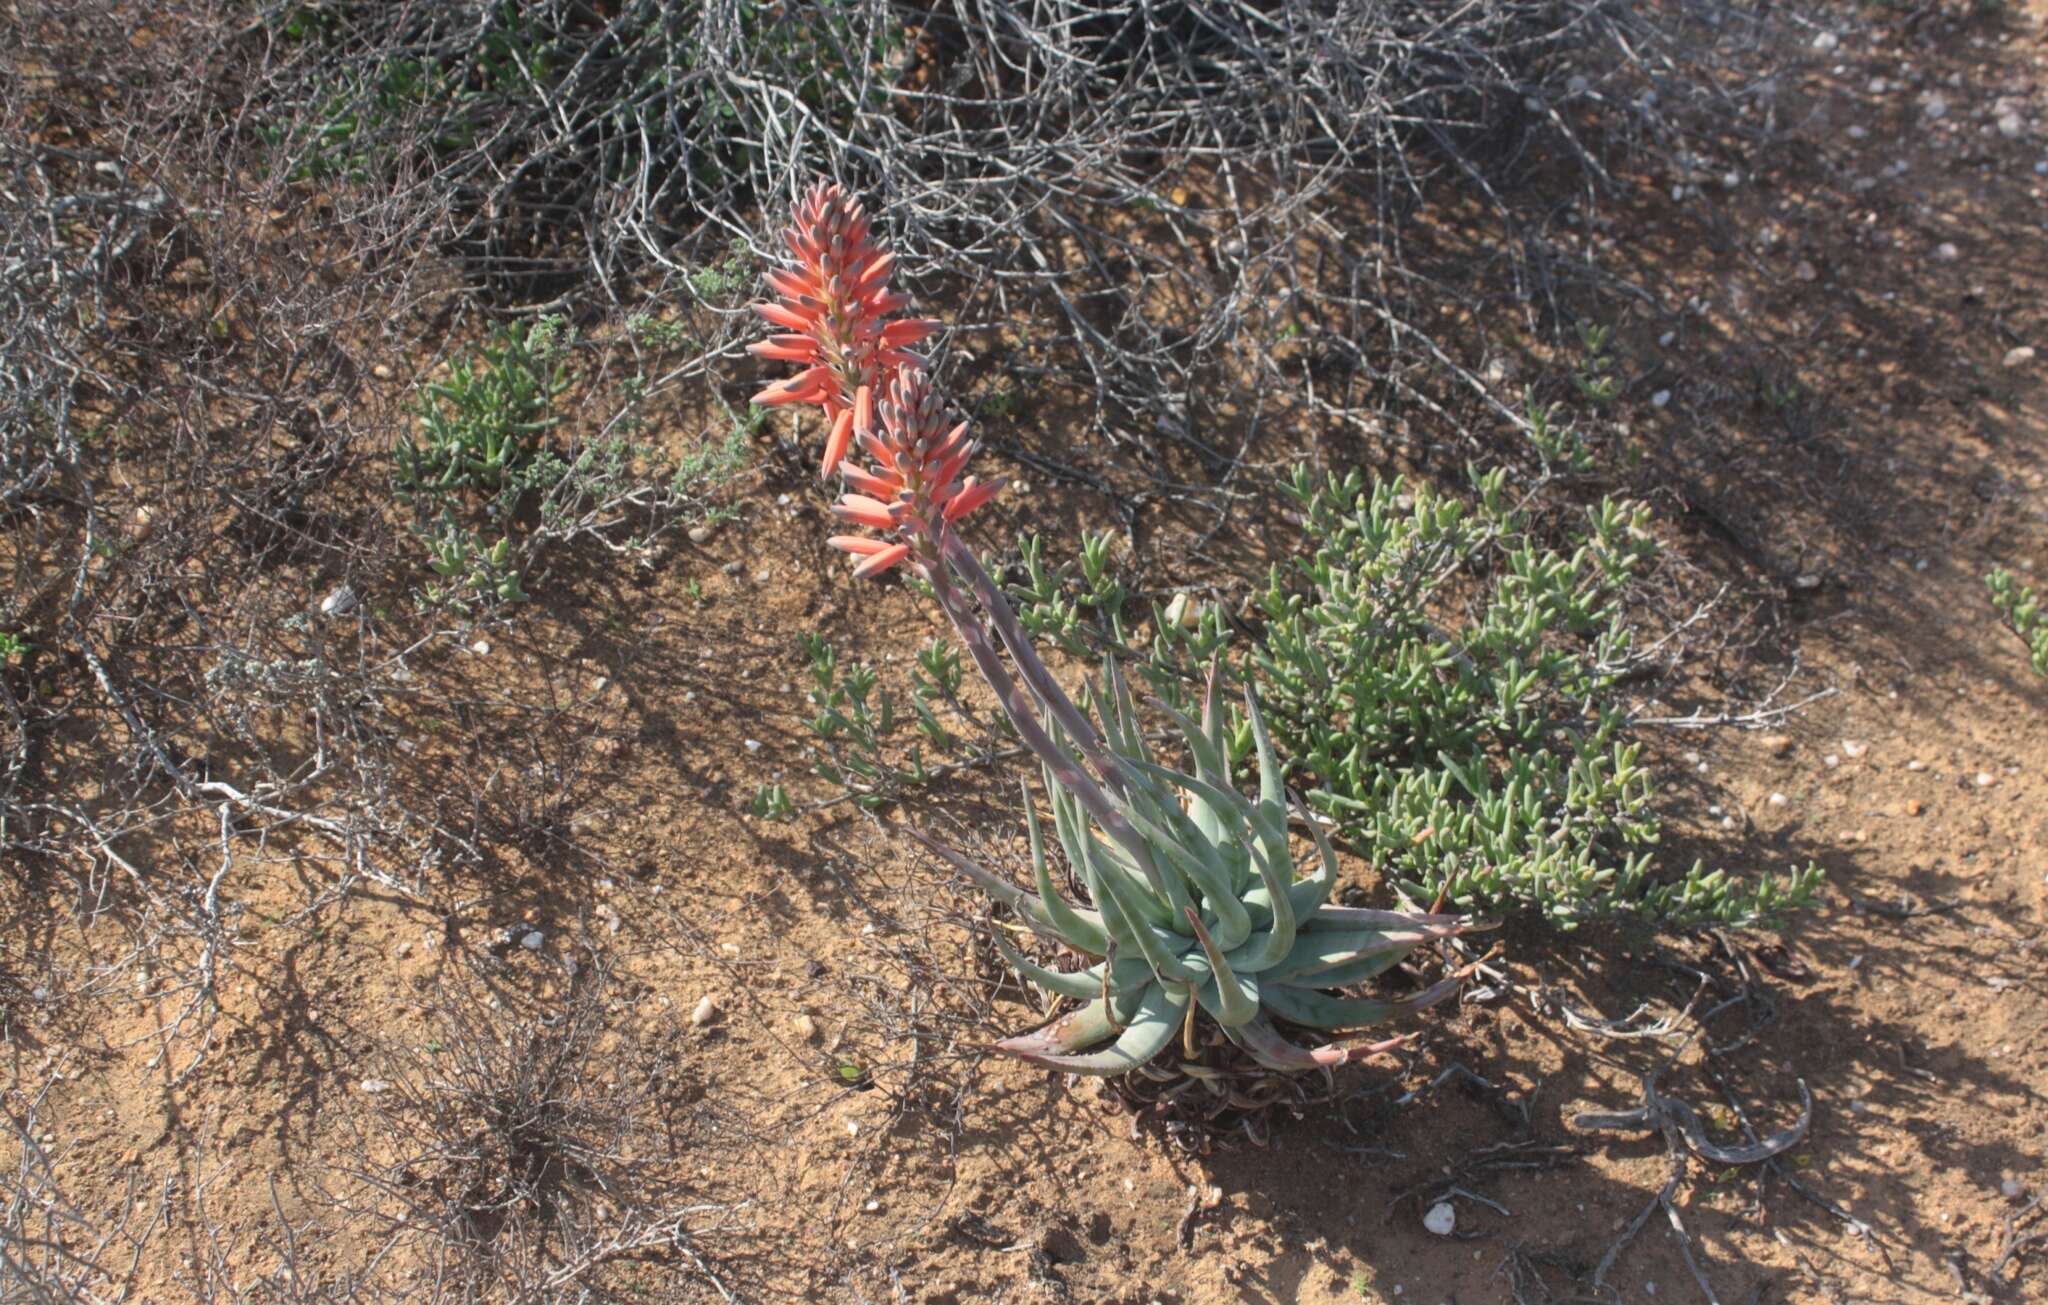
[(2021, 608), (1446, 691)]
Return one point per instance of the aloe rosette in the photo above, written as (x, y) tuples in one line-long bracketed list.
[(1193, 903), (1212, 917)]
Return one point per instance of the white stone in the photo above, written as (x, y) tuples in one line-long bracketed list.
[(706, 1011), (1661, 398), (1947, 252), (2019, 357), (1441, 1219), (1825, 42), (533, 940)]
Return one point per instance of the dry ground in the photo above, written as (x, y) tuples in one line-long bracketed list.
[(842, 1135)]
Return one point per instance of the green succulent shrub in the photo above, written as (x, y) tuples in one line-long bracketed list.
[(493, 477), (1446, 689), (2020, 606), (483, 423)]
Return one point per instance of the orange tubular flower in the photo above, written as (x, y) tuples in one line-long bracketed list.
[(833, 308)]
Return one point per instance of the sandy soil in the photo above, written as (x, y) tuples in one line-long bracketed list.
[(843, 1136)]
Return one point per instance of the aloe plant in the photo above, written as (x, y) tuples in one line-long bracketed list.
[(1193, 903), (1210, 917)]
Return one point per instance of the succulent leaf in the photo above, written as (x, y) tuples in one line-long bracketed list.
[(1074, 1031), (1321, 1010), (1084, 984), (1149, 1032), (1079, 931), (1231, 1000)]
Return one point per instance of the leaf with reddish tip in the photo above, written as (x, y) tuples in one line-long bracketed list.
[(1150, 1031), (1077, 1030), (1263, 1043)]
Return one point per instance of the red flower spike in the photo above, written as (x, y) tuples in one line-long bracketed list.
[(834, 308), (837, 299)]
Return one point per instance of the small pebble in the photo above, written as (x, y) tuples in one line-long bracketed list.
[(753, 745), (1660, 399), (1947, 252), (339, 603), (1825, 42), (2019, 357), (699, 534), (375, 1085), (1776, 744), (1441, 1219), (2013, 1188), (1778, 799), (805, 1027), (480, 647), (1831, 761), (2011, 126), (533, 939), (1854, 748), (1916, 764), (1936, 107), (706, 1011), (1985, 779)]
